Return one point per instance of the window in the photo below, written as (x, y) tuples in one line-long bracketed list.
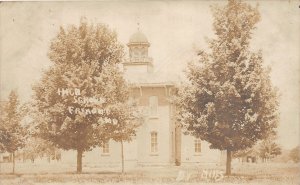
[(105, 148), (154, 144), (197, 146), (153, 104)]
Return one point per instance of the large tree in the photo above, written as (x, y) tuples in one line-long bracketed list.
[(129, 120), (295, 154), (128, 115), (268, 149), (229, 100), (35, 147), (75, 99), (12, 132), (2, 128)]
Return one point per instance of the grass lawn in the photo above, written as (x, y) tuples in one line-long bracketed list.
[(63, 174)]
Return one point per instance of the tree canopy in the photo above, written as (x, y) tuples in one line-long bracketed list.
[(229, 100), (76, 100), (295, 154), (268, 149), (12, 133)]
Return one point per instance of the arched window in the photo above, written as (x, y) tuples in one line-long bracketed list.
[(154, 143)]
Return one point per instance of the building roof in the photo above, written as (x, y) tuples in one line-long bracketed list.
[(138, 38), (151, 79)]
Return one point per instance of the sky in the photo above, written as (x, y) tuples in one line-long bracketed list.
[(175, 29)]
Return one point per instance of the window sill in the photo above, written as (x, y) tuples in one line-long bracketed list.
[(154, 154), (153, 117), (105, 155), (197, 154)]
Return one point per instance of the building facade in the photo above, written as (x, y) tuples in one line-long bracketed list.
[(158, 140)]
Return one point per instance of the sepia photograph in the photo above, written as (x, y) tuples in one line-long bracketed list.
[(150, 92)]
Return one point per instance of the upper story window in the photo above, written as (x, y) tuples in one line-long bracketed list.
[(197, 146), (153, 105), (154, 143), (105, 148)]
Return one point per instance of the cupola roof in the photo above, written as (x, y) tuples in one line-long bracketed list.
[(138, 38)]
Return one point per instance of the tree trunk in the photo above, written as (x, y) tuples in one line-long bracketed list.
[(13, 160), (23, 156), (122, 156), (79, 160), (228, 162)]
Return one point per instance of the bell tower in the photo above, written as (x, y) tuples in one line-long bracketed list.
[(139, 61)]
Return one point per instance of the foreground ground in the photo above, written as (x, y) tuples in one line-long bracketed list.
[(63, 174)]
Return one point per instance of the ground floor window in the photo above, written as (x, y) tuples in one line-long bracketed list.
[(105, 148)]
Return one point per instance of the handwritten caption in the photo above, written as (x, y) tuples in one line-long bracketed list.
[(205, 174), (86, 105)]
